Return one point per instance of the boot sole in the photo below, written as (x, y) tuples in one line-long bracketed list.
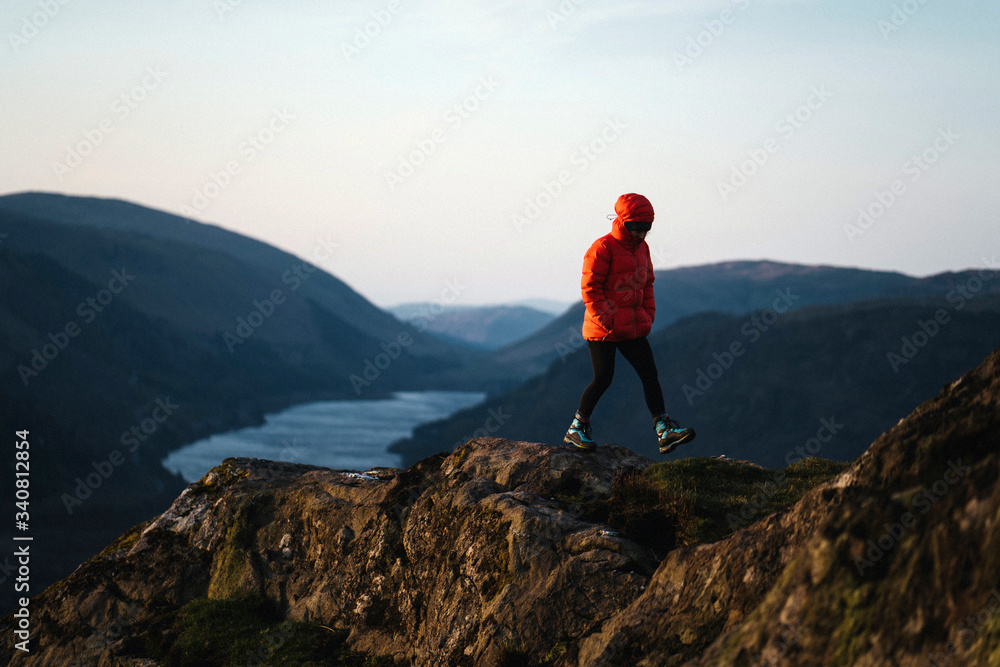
[(677, 443), (580, 446)]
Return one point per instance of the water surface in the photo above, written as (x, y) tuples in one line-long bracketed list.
[(344, 435)]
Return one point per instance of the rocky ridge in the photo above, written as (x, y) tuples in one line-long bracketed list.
[(483, 558), (894, 562), (458, 560)]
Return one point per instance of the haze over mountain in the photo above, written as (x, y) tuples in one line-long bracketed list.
[(481, 327)]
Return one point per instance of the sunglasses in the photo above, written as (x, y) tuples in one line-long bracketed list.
[(638, 226)]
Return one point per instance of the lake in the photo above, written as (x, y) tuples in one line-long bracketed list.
[(344, 435)]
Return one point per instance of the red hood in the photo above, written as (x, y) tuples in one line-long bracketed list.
[(629, 207)]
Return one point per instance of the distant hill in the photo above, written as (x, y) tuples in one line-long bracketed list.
[(727, 287), (794, 373), (126, 332), (196, 275), (481, 327), (550, 306)]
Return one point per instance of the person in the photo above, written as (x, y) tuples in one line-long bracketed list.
[(617, 286)]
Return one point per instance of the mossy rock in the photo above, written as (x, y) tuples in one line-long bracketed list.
[(234, 569), (727, 495), (245, 631)]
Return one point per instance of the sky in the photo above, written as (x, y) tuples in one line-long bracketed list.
[(470, 152)]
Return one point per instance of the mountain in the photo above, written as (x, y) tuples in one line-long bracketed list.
[(727, 287), (201, 277), (517, 553), (127, 332), (480, 327), (756, 386), (550, 306)]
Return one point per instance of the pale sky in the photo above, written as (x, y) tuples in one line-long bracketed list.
[(409, 135)]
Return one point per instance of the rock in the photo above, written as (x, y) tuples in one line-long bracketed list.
[(896, 561), (458, 560)]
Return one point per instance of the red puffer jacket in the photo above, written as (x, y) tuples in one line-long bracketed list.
[(617, 281)]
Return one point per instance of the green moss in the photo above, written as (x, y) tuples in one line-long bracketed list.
[(573, 503), (852, 638), (658, 516), (728, 495), (234, 573), (500, 575), (516, 655), (554, 654), (246, 631), (990, 635), (126, 540), (461, 454), (220, 477)]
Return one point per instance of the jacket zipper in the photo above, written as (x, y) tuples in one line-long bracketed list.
[(635, 292)]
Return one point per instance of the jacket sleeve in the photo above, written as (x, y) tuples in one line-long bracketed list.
[(596, 267), (648, 300)]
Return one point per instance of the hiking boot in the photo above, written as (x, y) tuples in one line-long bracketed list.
[(671, 435), (578, 435)]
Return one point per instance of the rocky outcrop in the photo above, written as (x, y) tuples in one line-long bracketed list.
[(894, 562), (460, 560), (490, 556)]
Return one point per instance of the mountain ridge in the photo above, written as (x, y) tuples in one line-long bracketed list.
[(479, 327), (755, 404), (733, 287), (286, 271)]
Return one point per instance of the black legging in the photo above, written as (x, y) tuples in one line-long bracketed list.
[(639, 354)]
